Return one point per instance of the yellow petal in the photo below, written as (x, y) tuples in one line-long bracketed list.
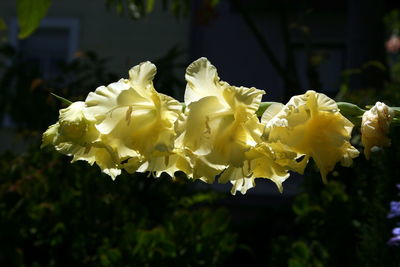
[(141, 77), (168, 164), (271, 112), (202, 81), (242, 185), (311, 125), (132, 117), (242, 97), (203, 117), (101, 157), (220, 124), (264, 164), (103, 100), (205, 170), (50, 135)]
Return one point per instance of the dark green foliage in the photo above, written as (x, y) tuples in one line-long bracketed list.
[(53, 213), (344, 223)]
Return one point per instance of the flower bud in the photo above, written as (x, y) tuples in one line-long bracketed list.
[(375, 126)]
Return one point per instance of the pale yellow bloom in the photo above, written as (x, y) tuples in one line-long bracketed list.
[(311, 125), (375, 127), (129, 125), (134, 119), (76, 136), (220, 123), (267, 160)]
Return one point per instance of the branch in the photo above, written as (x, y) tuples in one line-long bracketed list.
[(262, 42)]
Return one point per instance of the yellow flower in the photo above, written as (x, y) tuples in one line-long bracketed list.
[(220, 123), (311, 125), (375, 126), (134, 119), (76, 136), (267, 160), (72, 127)]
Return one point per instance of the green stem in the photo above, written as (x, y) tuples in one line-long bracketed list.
[(62, 99), (352, 112)]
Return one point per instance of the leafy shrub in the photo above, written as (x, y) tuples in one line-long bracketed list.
[(53, 213)]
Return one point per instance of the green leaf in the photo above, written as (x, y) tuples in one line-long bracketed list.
[(213, 3), (3, 25), (62, 99), (119, 7), (263, 106), (30, 13), (149, 6)]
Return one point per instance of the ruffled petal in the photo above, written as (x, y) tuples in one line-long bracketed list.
[(242, 185), (141, 77), (219, 125), (311, 125), (132, 117), (202, 81)]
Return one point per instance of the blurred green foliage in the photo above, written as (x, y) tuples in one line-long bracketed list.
[(30, 13), (3, 25), (53, 213), (392, 21), (343, 222)]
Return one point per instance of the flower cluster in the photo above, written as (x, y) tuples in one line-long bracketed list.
[(215, 134), (395, 212)]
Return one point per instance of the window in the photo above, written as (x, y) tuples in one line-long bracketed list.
[(54, 42)]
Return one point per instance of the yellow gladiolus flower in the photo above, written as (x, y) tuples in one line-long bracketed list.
[(76, 136), (134, 119), (375, 127), (267, 160), (311, 125), (220, 123)]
